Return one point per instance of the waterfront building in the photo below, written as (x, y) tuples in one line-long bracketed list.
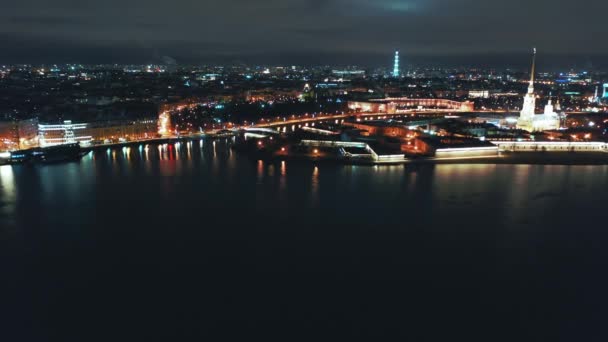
[(98, 132), (64, 133), (18, 134), (455, 147), (404, 104), (528, 119), (103, 132)]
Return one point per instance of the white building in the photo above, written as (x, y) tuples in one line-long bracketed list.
[(479, 94), (528, 119), (66, 133)]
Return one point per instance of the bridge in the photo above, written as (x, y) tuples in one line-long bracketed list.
[(294, 122)]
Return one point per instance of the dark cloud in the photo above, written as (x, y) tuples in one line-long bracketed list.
[(199, 30)]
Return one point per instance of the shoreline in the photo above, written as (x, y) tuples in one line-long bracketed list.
[(511, 158), (529, 158), (504, 158)]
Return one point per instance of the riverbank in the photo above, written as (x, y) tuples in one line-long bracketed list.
[(523, 158), (531, 158)]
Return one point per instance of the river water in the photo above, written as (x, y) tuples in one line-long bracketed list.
[(190, 240)]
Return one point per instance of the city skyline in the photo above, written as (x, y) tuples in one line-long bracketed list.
[(514, 62), (294, 32), (229, 170)]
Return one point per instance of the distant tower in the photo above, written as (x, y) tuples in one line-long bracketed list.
[(396, 66), (530, 99), (596, 98), (605, 93)]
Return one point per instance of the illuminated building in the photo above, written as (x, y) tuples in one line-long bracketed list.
[(164, 123), (528, 119), (122, 131), (346, 73), (404, 104), (97, 132), (8, 136), (16, 135), (396, 65), (65, 133), (28, 133), (269, 94), (453, 147), (551, 146), (605, 93), (479, 94)]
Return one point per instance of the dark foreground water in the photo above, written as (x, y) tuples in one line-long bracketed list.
[(193, 242)]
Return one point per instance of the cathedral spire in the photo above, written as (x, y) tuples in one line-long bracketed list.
[(531, 86)]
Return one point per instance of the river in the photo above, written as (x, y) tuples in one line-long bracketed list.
[(187, 240)]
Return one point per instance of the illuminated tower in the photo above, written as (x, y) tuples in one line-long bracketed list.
[(396, 66), (528, 120), (527, 111), (605, 93)]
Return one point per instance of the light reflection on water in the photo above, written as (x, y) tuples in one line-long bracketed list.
[(282, 181), (515, 195), (488, 237), (315, 184), (260, 171), (8, 193)]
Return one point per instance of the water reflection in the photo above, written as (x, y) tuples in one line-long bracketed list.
[(8, 193), (509, 195), (283, 177), (314, 191), (260, 172)]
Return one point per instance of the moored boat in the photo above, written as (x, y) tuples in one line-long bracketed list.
[(51, 154)]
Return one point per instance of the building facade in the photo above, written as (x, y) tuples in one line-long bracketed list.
[(102, 132), (18, 134), (64, 133), (397, 105)]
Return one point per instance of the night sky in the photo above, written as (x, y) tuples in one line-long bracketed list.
[(297, 31)]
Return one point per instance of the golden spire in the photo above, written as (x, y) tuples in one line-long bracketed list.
[(533, 67)]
